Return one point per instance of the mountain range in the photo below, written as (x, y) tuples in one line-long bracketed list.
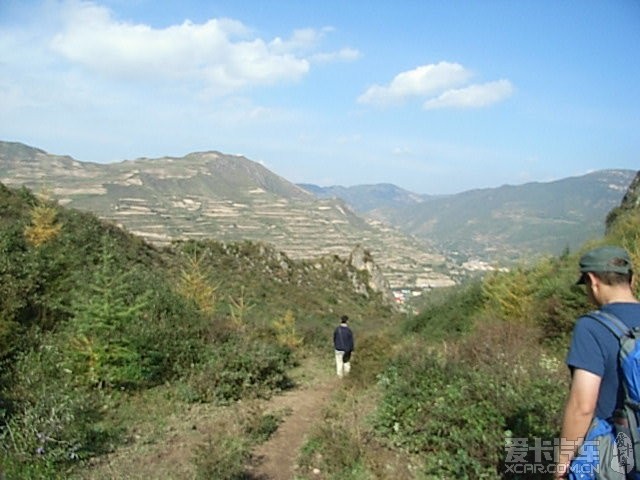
[(417, 240), (226, 197), (503, 224)]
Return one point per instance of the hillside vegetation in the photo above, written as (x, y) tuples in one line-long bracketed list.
[(214, 195), (92, 317), (100, 333), (480, 367)]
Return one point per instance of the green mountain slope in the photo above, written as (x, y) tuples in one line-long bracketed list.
[(210, 195), (92, 318), (518, 221), (369, 199), (512, 222)]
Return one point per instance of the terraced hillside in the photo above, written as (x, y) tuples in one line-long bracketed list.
[(226, 197)]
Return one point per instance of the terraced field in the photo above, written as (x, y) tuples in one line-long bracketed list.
[(225, 197)]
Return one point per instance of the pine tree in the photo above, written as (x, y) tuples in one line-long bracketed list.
[(44, 225), (103, 354), (239, 307), (286, 331), (195, 284)]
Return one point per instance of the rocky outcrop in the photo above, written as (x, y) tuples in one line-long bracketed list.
[(362, 261), (630, 203), (631, 199)]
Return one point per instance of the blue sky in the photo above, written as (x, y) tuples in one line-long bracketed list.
[(433, 96)]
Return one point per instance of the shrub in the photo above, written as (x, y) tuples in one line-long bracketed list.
[(257, 425), (455, 409), (337, 444), (448, 313), (195, 284), (223, 457), (445, 414), (240, 368), (228, 449), (44, 225), (370, 358), (52, 423), (285, 329)]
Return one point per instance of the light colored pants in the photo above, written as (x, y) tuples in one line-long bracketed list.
[(342, 368)]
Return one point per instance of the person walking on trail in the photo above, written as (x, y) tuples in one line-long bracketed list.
[(344, 344), (596, 387)]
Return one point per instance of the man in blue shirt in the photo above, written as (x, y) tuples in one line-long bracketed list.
[(595, 389), (343, 344)]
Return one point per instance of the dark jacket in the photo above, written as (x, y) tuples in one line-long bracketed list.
[(343, 338)]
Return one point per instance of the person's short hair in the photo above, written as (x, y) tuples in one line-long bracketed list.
[(611, 264), (613, 278), (344, 318)]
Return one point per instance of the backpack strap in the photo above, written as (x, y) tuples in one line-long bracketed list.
[(631, 409), (611, 322)]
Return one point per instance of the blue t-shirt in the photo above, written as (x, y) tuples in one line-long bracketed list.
[(595, 348)]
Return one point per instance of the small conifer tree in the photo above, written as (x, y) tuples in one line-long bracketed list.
[(239, 307), (44, 225), (195, 284), (286, 333), (102, 353)]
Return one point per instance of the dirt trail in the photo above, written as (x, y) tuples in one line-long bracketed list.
[(164, 444), (276, 458)]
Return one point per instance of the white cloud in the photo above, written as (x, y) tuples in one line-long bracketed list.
[(421, 81), (302, 39), (220, 54), (344, 55), (473, 96), (437, 83)]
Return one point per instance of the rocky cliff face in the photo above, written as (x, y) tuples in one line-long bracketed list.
[(631, 199), (362, 261), (630, 203)]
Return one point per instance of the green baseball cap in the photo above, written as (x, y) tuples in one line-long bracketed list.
[(605, 259)]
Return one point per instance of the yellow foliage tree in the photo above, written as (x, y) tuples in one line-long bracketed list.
[(286, 331), (44, 225), (509, 294), (195, 284), (238, 308), (626, 233)]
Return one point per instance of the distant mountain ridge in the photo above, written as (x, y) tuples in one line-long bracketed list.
[(369, 199), (505, 223), (225, 197), (417, 240)]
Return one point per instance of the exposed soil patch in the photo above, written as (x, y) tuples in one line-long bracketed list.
[(168, 434), (276, 458)]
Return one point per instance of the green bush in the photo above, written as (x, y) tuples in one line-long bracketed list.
[(445, 414), (456, 409), (370, 358), (51, 423), (223, 457), (240, 368), (447, 313), (129, 329)]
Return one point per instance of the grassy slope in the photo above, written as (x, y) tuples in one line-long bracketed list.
[(188, 354)]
